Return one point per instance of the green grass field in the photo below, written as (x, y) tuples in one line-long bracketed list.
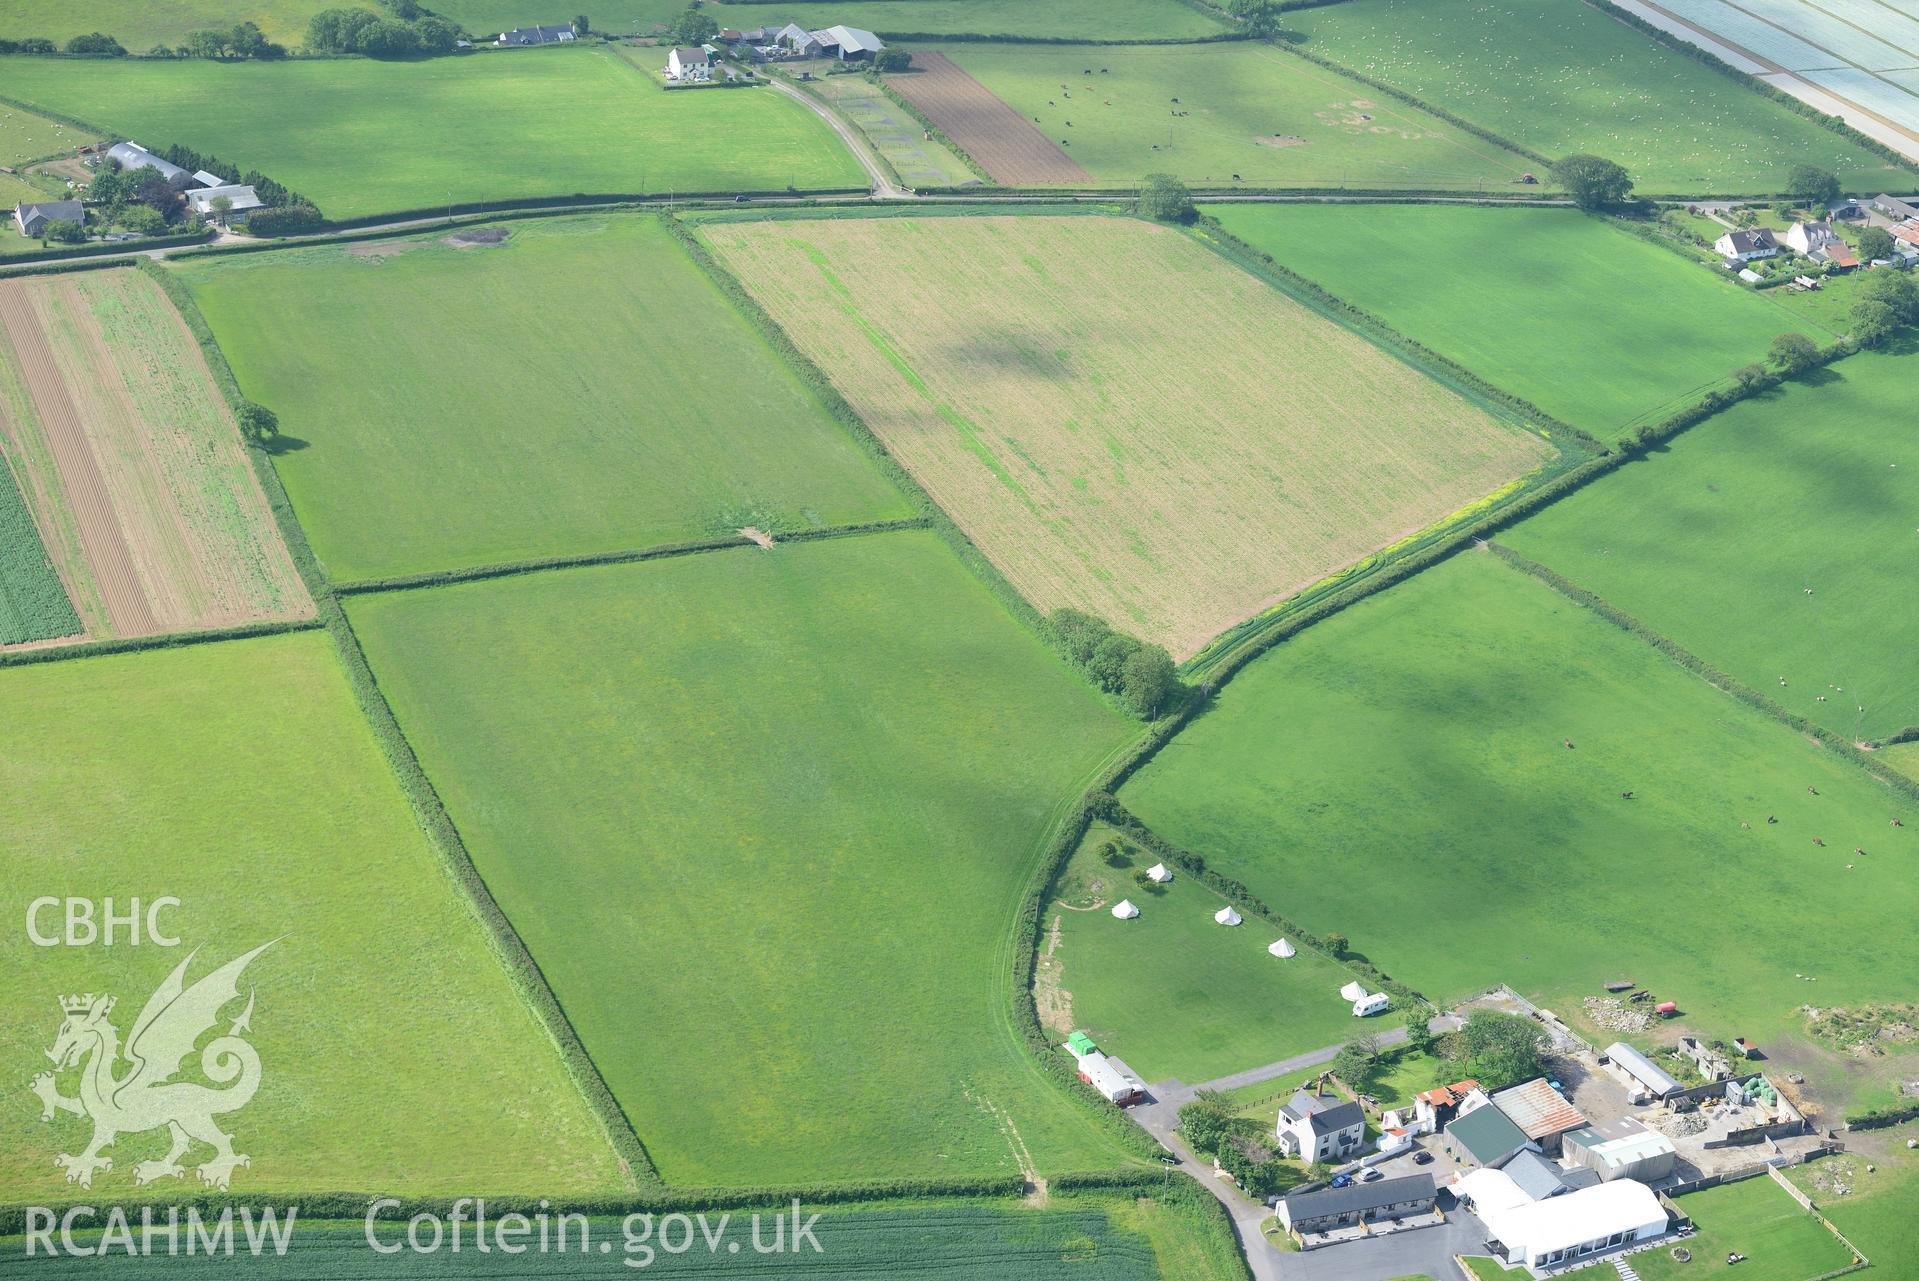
[(486, 19), (1775, 541), (1075, 1238), (1055, 19), (364, 137), (1399, 773), (1207, 112), (582, 387), (26, 136), (764, 819), (1174, 993), (1753, 1217), (1590, 323), (33, 600), (141, 24), (1879, 1211), (1559, 77), (1903, 757), (240, 778)]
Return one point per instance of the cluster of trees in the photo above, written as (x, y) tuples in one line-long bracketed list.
[(1494, 1048), (1240, 1144), (1165, 198), (1887, 300), (1259, 18), (1592, 181), (1140, 675), (269, 191), (693, 27), (336, 31), (140, 200), (242, 40)]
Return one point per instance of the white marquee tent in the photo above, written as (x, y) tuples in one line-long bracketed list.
[(1125, 910), (1159, 873), (1282, 949), (1226, 915)]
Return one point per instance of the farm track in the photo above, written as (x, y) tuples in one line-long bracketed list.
[(985, 126), (102, 539)]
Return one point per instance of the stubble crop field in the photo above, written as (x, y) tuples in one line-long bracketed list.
[(240, 778), (1559, 77), (1401, 773), (764, 819), (580, 387), (1123, 420), (361, 136), (1775, 541), (132, 462), (1173, 992), (1207, 112), (1593, 325)]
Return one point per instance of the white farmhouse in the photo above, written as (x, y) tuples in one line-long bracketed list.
[(689, 66), (1313, 1128), (1744, 246)]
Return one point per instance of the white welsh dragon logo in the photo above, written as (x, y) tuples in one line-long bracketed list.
[(145, 1097)]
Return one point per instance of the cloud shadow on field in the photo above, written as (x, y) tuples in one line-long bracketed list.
[(1041, 354)]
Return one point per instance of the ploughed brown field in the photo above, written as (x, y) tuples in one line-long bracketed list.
[(1000, 139), (1123, 420), (131, 462)]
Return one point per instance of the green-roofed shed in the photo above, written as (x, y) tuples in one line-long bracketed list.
[(1081, 1045), (1487, 1135)]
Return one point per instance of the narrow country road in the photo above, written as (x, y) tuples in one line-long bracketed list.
[(883, 188)]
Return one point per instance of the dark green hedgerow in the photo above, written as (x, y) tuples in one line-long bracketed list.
[(116, 250), (1882, 1118), (431, 814), (1711, 675), (665, 551), (135, 644)]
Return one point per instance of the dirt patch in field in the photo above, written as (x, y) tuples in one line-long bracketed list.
[(1280, 140), (381, 248), (477, 237), (1055, 1003), (998, 138), (150, 509), (759, 536)]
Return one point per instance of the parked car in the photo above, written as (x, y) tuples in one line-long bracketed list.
[(1422, 1158), (1371, 1175), (1342, 1180)]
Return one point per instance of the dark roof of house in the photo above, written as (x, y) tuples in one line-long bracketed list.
[(1360, 1197), (57, 210), (694, 55), (537, 35), (1744, 242), (1487, 1134), (1323, 1116)]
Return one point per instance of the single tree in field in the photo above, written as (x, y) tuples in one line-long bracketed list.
[(1592, 181), (1147, 680), (1873, 323), (1165, 199), (1875, 243), (1792, 353), (1419, 1035), (1338, 943), (1813, 187), (581, 26), (258, 424)]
